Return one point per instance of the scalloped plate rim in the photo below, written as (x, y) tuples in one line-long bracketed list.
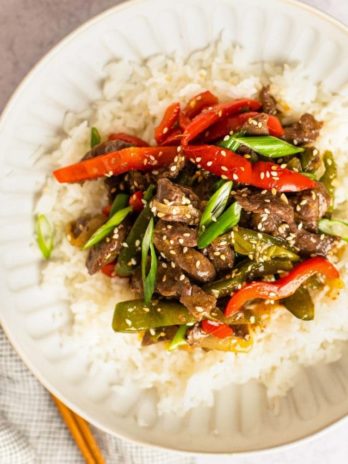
[(21, 87)]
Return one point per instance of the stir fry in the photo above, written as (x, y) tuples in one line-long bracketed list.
[(228, 217)]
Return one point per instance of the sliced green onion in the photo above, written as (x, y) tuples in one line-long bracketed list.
[(179, 338), (95, 137), (334, 227), (265, 145), (108, 227), (229, 143), (226, 221), (216, 204), (120, 202), (44, 235), (149, 280), (148, 194)]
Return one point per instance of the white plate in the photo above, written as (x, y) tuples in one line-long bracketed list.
[(68, 78)]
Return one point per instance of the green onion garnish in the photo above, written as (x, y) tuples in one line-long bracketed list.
[(179, 338), (120, 202), (226, 221), (44, 235), (265, 145), (334, 227), (95, 137), (108, 227), (149, 280), (216, 204)]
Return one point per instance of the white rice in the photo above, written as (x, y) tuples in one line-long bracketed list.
[(134, 97)]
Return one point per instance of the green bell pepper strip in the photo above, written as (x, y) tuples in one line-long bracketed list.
[(300, 304), (226, 221), (127, 259), (329, 178), (246, 272), (334, 227), (259, 246), (135, 315), (265, 145)]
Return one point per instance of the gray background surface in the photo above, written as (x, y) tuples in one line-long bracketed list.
[(28, 29)]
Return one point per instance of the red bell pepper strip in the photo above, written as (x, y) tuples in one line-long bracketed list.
[(217, 329), (169, 121), (136, 141), (209, 117), (184, 120), (135, 201), (226, 125), (174, 138), (199, 102), (220, 161), (268, 175), (262, 174), (235, 123), (274, 126), (284, 287), (109, 270), (117, 162)]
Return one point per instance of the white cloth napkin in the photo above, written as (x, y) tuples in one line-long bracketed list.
[(32, 432)]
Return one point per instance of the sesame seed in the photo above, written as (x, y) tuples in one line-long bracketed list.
[(235, 176), (198, 264), (185, 250), (209, 163), (182, 277), (224, 168), (274, 192), (223, 153), (125, 245), (165, 130), (164, 265), (262, 175)]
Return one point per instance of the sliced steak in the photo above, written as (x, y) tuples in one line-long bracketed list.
[(170, 281), (106, 147), (268, 211), (197, 301), (305, 130), (310, 206), (107, 250), (175, 248), (269, 104), (257, 125), (172, 171), (308, 243), (220, 254), (174, 234), (176, 203)]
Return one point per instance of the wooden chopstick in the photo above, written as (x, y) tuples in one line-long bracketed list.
[(81, 434)]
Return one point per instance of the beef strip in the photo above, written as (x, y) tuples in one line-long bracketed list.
[(274, 215), (136, 282), (170, 281), (176, 203), (269, 211), (173, 249), (172, 171), (106, 147), (269, 104), (308, 243), (305, 130), (257, 125), (197, 301), (176, 233), (107, 250), (80, 230), (310, 206), (220, 254)]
